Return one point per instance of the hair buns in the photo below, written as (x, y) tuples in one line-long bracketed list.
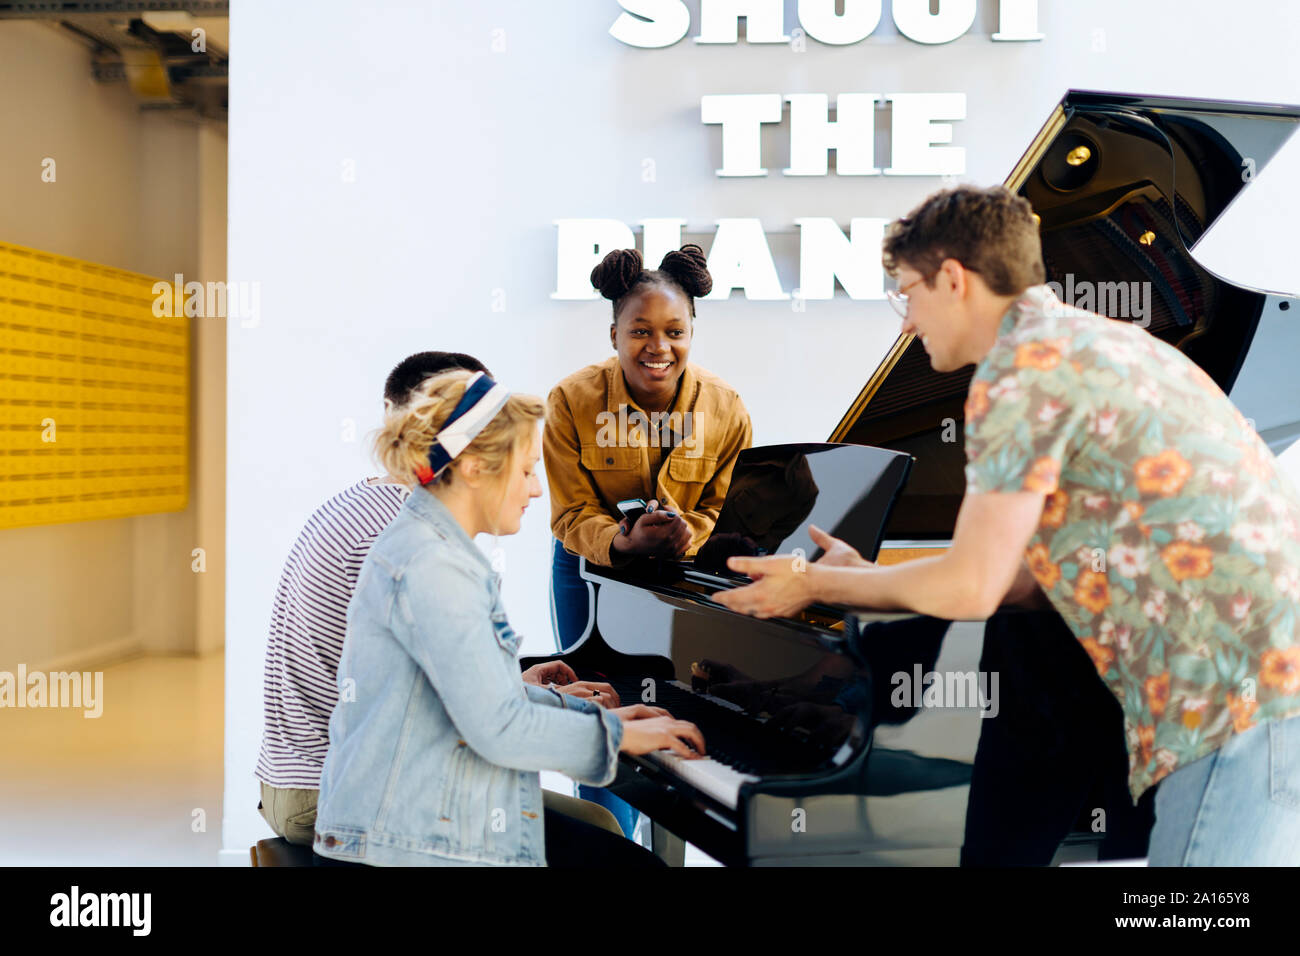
[(617, 273), (689, 267)]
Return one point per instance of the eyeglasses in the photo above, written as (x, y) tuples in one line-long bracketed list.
[(898, 297)]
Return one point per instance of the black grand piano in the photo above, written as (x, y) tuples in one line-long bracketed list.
[(847, 737)]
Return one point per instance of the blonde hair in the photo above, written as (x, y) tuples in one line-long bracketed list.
[(402, 444)]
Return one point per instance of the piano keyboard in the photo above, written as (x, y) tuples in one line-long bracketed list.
[(738, 750), (707, 775)]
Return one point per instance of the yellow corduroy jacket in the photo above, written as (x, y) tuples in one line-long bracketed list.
[(598, 450)]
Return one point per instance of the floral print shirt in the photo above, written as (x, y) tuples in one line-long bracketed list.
[(1169, 539)]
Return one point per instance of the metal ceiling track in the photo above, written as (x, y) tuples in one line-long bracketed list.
[(160, 50)]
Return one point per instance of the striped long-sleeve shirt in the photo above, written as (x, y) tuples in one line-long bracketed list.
[(308, 623)]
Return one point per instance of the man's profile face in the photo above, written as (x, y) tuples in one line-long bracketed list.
[(933, 317)]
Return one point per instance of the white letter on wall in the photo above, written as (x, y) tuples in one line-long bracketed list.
[(852, 135), (669, 21), (740, 259), (658, 238), (720, 21), (914, 131), (1018, 20), (914, 20), (825, 254), (580, 245), (741, 116), (819, 19)]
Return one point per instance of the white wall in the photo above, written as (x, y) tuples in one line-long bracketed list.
[(125, 194), (464, 156)]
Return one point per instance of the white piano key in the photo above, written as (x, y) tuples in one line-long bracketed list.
[(719, 781)]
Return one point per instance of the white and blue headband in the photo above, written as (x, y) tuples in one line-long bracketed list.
[(482, 400)]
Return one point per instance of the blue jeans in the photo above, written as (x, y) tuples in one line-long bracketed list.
[(571, 598), (1239, 806), (571, 605)]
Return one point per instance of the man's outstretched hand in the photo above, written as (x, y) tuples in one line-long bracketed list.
[(782, 585), (838, 554)]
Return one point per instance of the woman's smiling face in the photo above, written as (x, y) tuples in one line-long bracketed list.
[(652, 336)]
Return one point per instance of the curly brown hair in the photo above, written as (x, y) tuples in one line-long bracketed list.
[(623, 272), (990, 231)]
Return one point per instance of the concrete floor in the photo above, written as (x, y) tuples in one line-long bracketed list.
[(141, 785)]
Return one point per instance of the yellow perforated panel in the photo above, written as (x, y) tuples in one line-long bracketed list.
[(94, 393)]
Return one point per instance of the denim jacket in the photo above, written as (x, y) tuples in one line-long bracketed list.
[(436, 742)]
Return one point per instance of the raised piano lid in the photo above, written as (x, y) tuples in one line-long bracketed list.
[(1124, 186)]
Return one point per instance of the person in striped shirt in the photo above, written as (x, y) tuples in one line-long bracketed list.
[(309, 621)]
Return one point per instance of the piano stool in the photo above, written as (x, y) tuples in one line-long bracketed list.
[(279, 852), (580, 809)]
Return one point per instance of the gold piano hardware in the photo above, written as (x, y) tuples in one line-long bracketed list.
[(821, 620), (1078, 156), (899, 555), (1036, 149), (869, 390), (1147, 238)]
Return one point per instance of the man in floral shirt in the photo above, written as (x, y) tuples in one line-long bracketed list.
[(1144, 506)]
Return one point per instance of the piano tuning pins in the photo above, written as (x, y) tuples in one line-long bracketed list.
[(1147, 238), (1078, 156)]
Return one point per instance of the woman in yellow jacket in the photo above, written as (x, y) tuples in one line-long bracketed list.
[(646, 424), (643, 424)]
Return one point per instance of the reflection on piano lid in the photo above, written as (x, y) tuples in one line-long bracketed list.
[(778, 491), (1124, 186)]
